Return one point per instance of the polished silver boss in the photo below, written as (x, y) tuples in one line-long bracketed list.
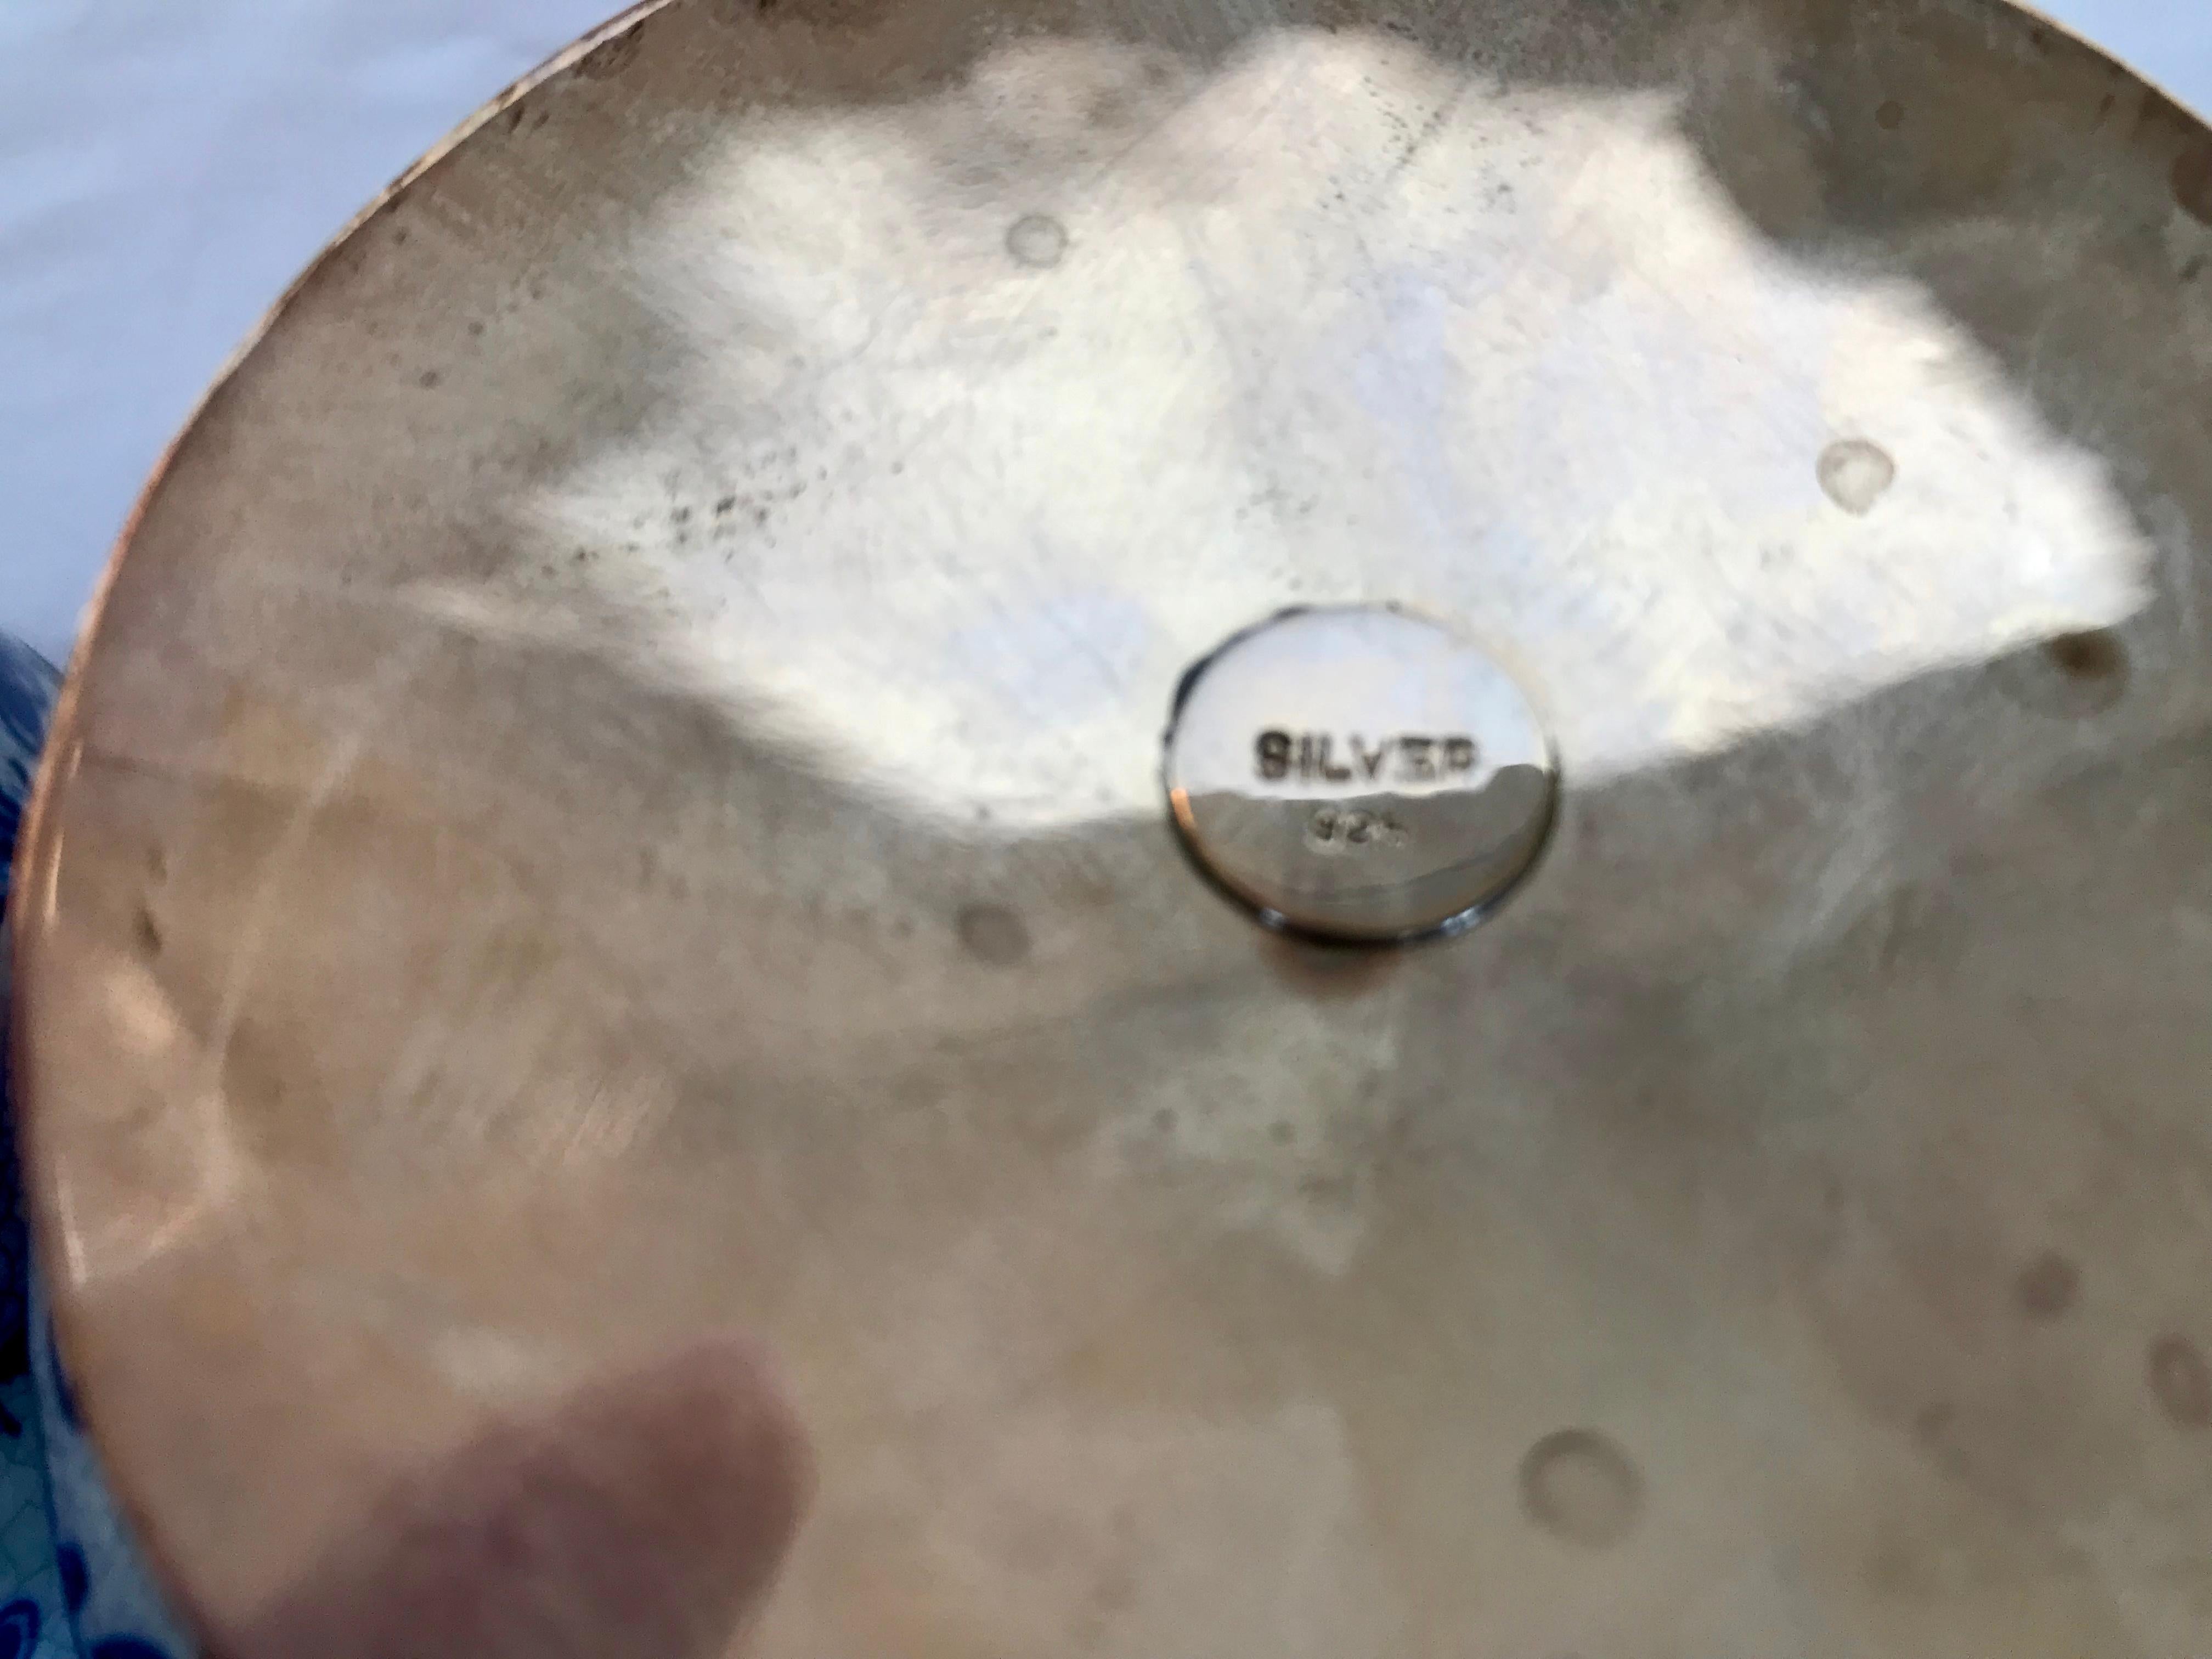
[(1359, 774)]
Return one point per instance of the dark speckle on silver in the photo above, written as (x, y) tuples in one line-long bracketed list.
[(2192, 180), (2090, 654), (2071, 676), (2181, 1383), (2048, 1287), (994, 935)]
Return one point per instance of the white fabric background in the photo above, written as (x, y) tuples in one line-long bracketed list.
[(168, 165)]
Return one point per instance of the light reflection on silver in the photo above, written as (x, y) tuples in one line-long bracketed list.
[(1222, 408), (1359, 774)]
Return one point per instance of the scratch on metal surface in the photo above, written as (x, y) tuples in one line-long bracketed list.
[(256, 914)]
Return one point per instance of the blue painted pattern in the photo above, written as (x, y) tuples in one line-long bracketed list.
[(19, 1629), (86, 1596)]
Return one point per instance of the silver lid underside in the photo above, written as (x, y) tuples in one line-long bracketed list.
[(616, 793)]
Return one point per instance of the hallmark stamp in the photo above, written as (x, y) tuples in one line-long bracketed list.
[(1350, 757)]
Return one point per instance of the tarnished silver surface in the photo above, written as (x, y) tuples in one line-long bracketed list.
[(1358, 774), (616, 792)]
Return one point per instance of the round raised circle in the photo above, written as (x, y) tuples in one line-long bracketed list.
[(1359, 774)]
